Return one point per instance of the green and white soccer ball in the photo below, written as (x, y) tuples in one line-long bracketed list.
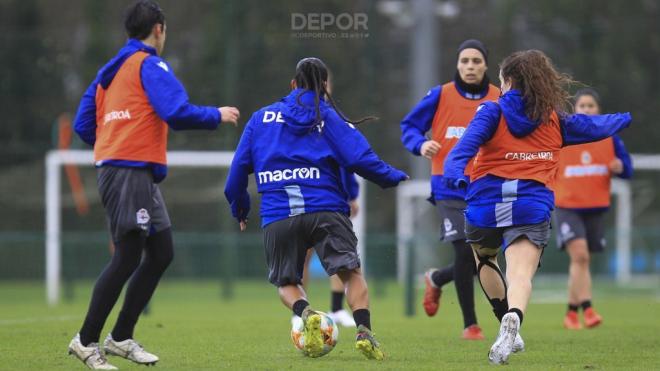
[(329, 331)]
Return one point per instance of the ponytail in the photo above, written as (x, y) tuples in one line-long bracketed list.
[(312, 74)]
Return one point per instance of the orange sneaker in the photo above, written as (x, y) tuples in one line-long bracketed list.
[(473, 332), (571, 321), (591, 318), (431, 295)]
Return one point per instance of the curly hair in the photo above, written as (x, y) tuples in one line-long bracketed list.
[(543, 88)]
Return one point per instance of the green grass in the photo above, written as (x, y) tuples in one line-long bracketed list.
[(191, 328)]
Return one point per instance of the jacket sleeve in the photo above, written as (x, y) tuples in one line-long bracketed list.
[(354, 153), (622, 154), (170, 100), (415, 125), (237, 181), (350, 184), (580, 128), (85, 122), (480, 130)]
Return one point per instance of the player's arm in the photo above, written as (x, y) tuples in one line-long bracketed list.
[(579, 128), (170, 100), (354, 153), (85, 122), (416, 123), (622, 165), (237, 181), (352, 188), (480, 130)]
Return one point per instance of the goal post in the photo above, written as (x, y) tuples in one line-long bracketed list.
[(56, 159)]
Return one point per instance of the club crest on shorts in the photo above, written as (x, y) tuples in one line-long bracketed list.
[(449, 227), (566, 230), (142, 218)]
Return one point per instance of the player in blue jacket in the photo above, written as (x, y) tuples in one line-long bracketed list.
[(125, 114), (296, 148), (509, 198)]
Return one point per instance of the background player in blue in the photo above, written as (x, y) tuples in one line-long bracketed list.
[(296, 148), (445, 112)]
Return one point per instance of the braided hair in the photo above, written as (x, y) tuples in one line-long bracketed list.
[(312, 74)]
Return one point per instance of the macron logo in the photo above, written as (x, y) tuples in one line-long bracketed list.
[(116, 115), (162, 65), (288, 174)]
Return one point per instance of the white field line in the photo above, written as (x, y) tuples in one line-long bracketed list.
[(21, 321)]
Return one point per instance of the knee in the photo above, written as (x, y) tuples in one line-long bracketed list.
[(582, 259), (164, 258)]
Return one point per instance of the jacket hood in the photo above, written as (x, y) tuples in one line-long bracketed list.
[(299, 113), (108, 72), (513, 109)]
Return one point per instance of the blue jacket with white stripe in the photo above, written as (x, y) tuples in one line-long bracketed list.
[(165, 93), (298, 162), (497, 202)]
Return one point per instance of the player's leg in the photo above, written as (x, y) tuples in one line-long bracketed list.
[(159, 253), (337, 311), (123, 263), (571, 236), (464, 270), (336, 245), (579, 280), (286, 244), (523, 249), (596, 243)]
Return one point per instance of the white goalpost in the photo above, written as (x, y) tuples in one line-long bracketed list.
[(56, 159), (409, 194)]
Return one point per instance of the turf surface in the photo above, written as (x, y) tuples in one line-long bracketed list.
[(191, 328)]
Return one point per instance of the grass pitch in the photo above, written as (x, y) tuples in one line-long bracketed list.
[(191, 328)]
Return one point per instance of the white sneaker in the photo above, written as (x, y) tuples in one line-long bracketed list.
[(503, 346), (91, 355), (518, 344), (129, 349), (343, 318)]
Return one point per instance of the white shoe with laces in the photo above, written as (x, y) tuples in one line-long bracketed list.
[(343, 318), (90, 355), (129, 349), (503, 346)]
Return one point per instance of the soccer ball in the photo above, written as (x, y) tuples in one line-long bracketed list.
[(328, 329)]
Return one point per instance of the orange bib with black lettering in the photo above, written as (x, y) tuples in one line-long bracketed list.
[(533, 157), (127, 126), (452, 116), (583, 178)]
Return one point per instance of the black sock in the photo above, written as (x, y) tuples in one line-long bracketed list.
[(336, 300), (443, 276), (362, 317), (299, 306), (572, 308), (464, 267), (500, 307), (586, 304), (518, 312)]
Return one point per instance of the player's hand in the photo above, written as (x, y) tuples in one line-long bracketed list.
[(355, 208), (616, 166), (243, 225), (229, 115), (430, 148)]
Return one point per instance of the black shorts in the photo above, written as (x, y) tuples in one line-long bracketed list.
[(572, 225), (286, 241), (494, 238), (132, 201), (452, 215)]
